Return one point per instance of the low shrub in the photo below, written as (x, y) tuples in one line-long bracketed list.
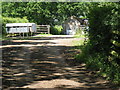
[(56, 30), (103, 19), (6, 20)]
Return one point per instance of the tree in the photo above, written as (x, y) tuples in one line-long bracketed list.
[(44, 12)]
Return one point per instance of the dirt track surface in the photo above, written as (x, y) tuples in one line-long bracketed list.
[(46, 62)]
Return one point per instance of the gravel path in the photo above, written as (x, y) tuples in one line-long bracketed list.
[(46, 62)]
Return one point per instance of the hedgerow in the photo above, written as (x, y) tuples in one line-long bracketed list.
[(102, 52)]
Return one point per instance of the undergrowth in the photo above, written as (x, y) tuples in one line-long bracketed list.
[(99, 53), (98, 62)]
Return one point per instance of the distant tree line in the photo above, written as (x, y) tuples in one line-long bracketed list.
[(45, 12)]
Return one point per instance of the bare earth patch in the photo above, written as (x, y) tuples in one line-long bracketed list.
[(46, 62)]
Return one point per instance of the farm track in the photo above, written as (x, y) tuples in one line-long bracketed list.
[(46, 62)]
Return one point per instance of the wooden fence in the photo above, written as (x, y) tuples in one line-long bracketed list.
[(43, 29)]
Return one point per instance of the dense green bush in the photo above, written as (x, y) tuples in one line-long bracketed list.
[(6, 20), (56, 30), (103, 19)]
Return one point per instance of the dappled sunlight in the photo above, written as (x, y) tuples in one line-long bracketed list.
[(49, 62), (54, 84), (44, 66), (29, 45), (49, 41)]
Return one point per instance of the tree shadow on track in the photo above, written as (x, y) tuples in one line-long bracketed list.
[(25, 65), (38, 38)]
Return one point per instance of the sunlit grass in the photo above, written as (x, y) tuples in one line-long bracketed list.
[(83, 38), (79, 36), (79, 43)]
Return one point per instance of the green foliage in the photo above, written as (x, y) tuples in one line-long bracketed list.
[(101, 53), (56, 30), (103, 19), (45, 12), (97, 61), (99, 32), (12, 20)]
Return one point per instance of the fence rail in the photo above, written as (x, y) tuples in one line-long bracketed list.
[(43, 29)]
